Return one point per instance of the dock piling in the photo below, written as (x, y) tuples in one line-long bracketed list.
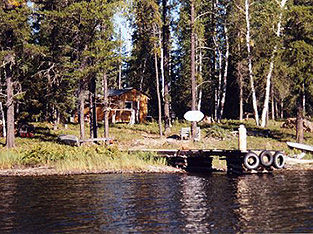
[(242, 138)]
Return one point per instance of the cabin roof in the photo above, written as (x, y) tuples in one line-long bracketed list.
[(118, 92)]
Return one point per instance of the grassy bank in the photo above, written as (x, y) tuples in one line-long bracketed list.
[(43, 150), (68, 159)]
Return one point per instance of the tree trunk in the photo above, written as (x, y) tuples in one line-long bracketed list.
[(199, 86), (254, 99), (120, 61), (267, 92), (142, 73), (166, 39), (215, 102), (90, 113), (93, 108), (240, 78), (276, 108), (4, 131), (158, 90), (269, 75), (105, 104), (81, 96), (282, 109), (162, 66), (224, 87), (219, 87), (273, 103), (10, 138), (54, 116), (303, 99), (192, 66), (299, 133), (199, 99), (81, 109)]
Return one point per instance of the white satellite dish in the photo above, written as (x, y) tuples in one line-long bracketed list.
[(194, 115)]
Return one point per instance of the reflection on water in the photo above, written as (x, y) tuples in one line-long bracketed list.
[(157, 203), (272, 203)]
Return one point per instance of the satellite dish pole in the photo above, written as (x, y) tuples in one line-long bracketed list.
[(192, 66), (194, 116)]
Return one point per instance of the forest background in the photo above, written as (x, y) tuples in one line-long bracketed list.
[(222, 57)]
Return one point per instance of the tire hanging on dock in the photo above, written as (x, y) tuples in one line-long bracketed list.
[(251, 161), (266, 158), (279, 160)]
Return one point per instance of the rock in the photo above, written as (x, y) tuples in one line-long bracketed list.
[(68, 140)]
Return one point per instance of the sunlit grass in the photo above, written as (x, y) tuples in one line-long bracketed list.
[(44, 150), (85, 158), (10, 158)]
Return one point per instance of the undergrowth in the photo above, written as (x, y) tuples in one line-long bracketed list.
[(43, 149), (84, 158)]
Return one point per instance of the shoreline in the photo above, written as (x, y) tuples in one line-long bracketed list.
[(50, 171), (34, 157)]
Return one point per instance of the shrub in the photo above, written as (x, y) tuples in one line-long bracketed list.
[(217, 132)]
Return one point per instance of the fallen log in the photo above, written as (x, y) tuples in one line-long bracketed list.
[(290, 160), (291, 123)]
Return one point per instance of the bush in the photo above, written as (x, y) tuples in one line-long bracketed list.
[(42, 153), (217, 132)]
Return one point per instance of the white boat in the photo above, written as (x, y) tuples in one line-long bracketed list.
[(300, 146)]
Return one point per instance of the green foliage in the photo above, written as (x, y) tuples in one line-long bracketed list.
[(67, 158), (147, 27), (299, 52), (217, 132), (57, 44)]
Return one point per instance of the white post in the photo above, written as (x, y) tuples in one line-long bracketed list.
[(132, 117), (113, 117), (242, 138)]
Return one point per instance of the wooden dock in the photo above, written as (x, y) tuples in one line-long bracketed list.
[(238, 161)]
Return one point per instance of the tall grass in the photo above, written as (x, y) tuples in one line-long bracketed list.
[(10, 158), (43, 150), (85, 158)]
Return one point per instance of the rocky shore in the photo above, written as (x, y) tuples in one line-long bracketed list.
[(46, 171)]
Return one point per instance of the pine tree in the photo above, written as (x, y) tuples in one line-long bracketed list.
[(81, 33), (299, 51), (14, 33)]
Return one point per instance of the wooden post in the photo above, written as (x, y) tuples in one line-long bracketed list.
[(299, 128), (113, 116), (242, 138)]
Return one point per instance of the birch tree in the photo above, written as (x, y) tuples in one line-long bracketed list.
[(221, 49), (271, 67), (166, 62), (224, 86), (157, 78), (248, 43)]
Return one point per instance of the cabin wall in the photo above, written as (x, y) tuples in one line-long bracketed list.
[(118, 109)]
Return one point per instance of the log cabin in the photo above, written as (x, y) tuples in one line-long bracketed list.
[(127, 105)]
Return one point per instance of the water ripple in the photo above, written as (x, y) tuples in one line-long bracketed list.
[(157, 203)]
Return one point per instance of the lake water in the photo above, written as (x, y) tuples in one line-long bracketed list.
[(157, 203)]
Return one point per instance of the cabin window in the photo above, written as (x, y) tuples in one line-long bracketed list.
[(128, 105)]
